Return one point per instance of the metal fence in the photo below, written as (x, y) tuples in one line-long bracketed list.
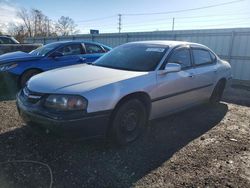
[(230, 44)]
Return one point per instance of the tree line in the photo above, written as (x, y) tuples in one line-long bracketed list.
[(34, 23)]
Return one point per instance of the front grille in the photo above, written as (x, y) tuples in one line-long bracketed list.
[(28, 96)]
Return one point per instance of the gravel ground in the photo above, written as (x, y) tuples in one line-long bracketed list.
[(206, 146)]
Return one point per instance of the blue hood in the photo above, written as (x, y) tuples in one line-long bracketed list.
[(17, 57)]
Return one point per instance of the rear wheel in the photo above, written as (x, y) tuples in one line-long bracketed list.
[(129, 122), (27, 75), (217, 92)]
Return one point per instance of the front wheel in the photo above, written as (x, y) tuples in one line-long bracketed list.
[(217, 92), (129, 122), (26, 76)]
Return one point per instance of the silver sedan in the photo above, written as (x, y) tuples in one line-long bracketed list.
[(120, 92)]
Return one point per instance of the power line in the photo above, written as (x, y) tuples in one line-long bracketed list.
[(169, 12), (179, 21), (163, 24), (193, 27), (96, 19), (213, 15), (189, 24), (159, 13), (185, 10), (228, 15)]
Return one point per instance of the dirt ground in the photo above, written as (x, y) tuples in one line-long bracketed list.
[(206, 146)]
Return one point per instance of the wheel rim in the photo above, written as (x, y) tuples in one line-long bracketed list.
[(130, 123)]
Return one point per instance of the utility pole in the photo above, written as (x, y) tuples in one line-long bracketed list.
[(119, 23), (173, 25)]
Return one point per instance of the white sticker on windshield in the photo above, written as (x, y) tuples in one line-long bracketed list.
[(155, 49)]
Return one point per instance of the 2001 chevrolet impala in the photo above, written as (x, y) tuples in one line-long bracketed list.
[(125, 88)]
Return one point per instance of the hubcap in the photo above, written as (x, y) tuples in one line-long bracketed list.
[(130, 121)]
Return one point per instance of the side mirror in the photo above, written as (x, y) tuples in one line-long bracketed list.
[(172, 67), (56, 55)]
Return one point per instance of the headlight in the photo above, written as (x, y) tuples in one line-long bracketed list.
[(66, 102), (8, 67)]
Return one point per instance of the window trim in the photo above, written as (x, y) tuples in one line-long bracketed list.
[(207, 50), (165, 62)]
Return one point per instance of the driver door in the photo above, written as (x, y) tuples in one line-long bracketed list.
[(174, 89)]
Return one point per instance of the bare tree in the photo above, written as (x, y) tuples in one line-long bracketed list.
[(66, 26), (27, 20), (35, 23), (18, 31), (40, 22)]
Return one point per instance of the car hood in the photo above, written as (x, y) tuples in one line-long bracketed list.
[(17, 57), (77, 79)]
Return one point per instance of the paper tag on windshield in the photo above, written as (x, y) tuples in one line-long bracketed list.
[(155, 49)]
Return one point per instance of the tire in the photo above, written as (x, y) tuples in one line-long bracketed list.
[(26, 76), (129, 122), (217, 92)]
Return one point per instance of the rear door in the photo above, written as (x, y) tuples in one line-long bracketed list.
[(174, 90), (205, 69)]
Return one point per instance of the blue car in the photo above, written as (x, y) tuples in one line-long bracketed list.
[(21, 66)]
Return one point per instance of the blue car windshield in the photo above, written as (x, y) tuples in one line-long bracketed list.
[(44, 50), (133, 57)]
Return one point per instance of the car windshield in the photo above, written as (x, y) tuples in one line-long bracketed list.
[(42, 51), (133, 57)]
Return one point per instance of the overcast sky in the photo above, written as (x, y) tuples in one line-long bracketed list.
[(103, 15)]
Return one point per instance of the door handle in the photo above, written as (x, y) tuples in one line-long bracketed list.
[(215, 70)]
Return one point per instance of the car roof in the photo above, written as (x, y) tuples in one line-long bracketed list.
[(171, 43), (76, 41)]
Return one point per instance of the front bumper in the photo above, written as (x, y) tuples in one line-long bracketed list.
[(90, 125)]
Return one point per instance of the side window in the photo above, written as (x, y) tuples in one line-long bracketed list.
[(73, 49), (201, 57), (1, 41), (182, 57), (93, 49)]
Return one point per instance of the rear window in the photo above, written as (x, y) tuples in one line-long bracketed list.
[(201, 57)]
